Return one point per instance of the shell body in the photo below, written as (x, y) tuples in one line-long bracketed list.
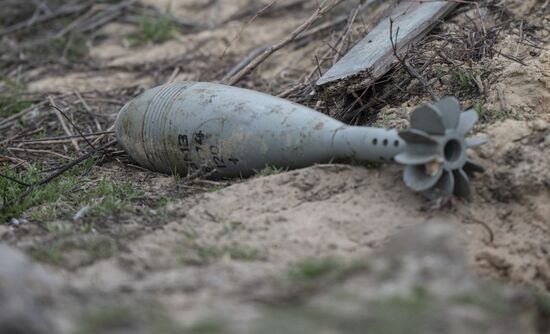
[(232, 131)]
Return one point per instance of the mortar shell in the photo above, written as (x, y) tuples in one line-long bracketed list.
[(229, 131)]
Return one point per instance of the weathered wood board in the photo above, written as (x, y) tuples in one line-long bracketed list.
[(373, 56)]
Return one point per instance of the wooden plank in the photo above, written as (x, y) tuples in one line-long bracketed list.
[(373, 56)]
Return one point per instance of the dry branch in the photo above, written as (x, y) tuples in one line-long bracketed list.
[(64, 126), (325, 7), (74, 126)]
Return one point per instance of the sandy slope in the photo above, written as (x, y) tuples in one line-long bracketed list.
[(334, 211)]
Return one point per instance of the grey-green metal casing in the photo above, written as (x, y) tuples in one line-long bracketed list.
[(175, 127), (229, 131)]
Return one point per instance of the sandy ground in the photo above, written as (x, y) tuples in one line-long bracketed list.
[(341, 211)]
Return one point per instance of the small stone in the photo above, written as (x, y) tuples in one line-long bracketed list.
[(540, 125), (82, 212)]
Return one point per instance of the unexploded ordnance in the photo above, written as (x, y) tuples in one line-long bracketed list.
[(228, 131)]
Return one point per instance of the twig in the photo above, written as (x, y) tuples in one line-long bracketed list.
[(71, 26), (13, 117), (48, 139), (16, 160), (261, 12), (243, 63), (15, 180), (53, 176), (84, 103), (325, 56), (74, 126), (32, 150), (87, 22), (88, 109), (520, 38), (319, 12), (59, 114), (110, 13), (324, 26), (318, 66), (471, 220), (346, 34), (301, 39), (109, 131), (172, 77), (48, 142), (63, 11), (512, 58), (408, 67), (193, 175), (26, 132)]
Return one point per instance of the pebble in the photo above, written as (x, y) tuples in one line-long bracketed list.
[(540, 125)]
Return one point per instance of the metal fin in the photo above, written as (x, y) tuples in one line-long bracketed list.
[(412, 158), (472, 167), (467, 121), (416, 178), (475, 141), (432, 167), (428, 119), (416, 136), (462, 184), (443, 188), (449, 109)]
